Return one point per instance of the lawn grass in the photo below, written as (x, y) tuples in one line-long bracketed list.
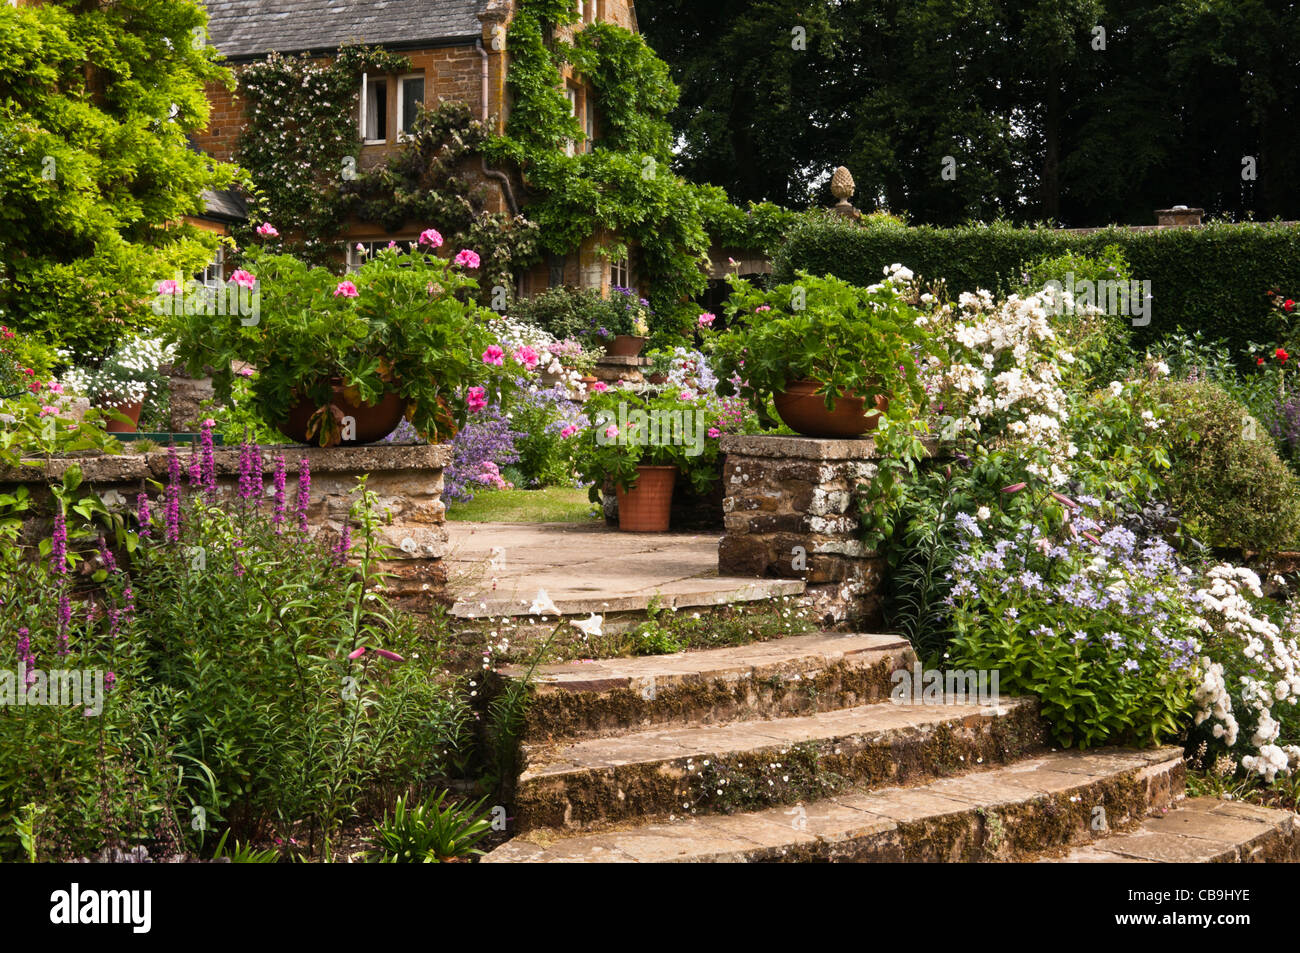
[(555, 504)]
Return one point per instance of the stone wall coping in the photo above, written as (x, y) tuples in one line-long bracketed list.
[(802, 448), (131, 467), (785, 447), (617, 361)]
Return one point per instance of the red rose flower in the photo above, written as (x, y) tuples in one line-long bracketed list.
[(1260, 361), (1288, 304), (1281, 355)]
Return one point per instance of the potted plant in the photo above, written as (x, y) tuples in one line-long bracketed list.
[(345, 360), (627, 328), (640, 446), (123, 381), (831, 355), (568, 362)]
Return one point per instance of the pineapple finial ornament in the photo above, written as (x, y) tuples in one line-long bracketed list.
[(842, 188)]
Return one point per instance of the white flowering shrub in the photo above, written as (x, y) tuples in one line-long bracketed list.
[(129, 375)]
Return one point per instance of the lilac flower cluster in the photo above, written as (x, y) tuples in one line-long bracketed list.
[(487, 438)]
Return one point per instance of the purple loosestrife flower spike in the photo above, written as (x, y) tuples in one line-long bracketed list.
[(173, 514), (343, 546), (59, 543), (277, 511), (304, 493), (142, 514), (195, 471), (106, 554), (208, 465)]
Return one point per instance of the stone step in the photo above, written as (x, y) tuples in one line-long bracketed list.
[(1201, 830), (753, 764), (610, 600), (1003, 813), (797, 675)]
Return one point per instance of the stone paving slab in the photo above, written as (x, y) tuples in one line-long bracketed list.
[(496, 569), (903, 823), (1201, 830)]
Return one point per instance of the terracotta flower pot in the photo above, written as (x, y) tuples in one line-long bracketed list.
[(646, 507), (804, 411), (373, 421), (625, 345), (131, 410)]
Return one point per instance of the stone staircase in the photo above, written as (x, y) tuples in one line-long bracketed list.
[(793, 751)]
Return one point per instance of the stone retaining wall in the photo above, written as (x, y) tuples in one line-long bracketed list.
[(790, 511), (405, 478)]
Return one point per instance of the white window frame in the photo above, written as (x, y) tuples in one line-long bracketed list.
[(354, 259), (362, 114), (214, 272), (621, 267), (401, 100), (571, 147), (589, 119)]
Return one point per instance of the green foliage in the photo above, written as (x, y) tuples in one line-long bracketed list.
[(407, 329), (429, 832), (97, 171), (1211, 279), (668, 630), (1231, 488), (242, 853), (858, 341)]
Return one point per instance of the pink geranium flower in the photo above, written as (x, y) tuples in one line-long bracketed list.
[(764, 307), (707, 319), (48, 411), (525, 355), (431, 237), (267, 230), (685, 395), (169, 287), (243, 278), (715, 433), (476, 397), (611, 431), (600, 387), (494, 355), (466, 258), (569, 431), (346, 289)]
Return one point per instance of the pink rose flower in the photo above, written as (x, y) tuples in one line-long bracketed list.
[(525, 355), (267, 230), (243, 279), (346, 289), (707, 319), (466, 258), (494, 355), (431, 237), (476, 397)]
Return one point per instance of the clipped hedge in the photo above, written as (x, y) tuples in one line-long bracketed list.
[(1211, 279)]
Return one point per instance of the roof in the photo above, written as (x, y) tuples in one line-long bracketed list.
[(226, 205), (251, 28)]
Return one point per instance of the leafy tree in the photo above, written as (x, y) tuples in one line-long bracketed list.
[(96, 173)]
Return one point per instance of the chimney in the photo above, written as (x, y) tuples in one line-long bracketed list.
[(1180, 216)]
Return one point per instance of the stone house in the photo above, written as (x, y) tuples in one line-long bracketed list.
[(457, 52)]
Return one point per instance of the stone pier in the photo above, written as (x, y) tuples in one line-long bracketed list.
[(790, 510)]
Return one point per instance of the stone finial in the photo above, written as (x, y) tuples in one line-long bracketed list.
[(842, 188)]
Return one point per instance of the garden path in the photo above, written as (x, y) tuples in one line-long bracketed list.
[(497, 569)]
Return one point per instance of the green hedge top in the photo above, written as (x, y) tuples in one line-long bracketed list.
[(1211, 279)]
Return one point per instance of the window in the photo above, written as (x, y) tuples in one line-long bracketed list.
[(569, 145), (409, 101), (358, 253), (620, 273), (374, 109), (214, 275), (587, 10), (591, 121)]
